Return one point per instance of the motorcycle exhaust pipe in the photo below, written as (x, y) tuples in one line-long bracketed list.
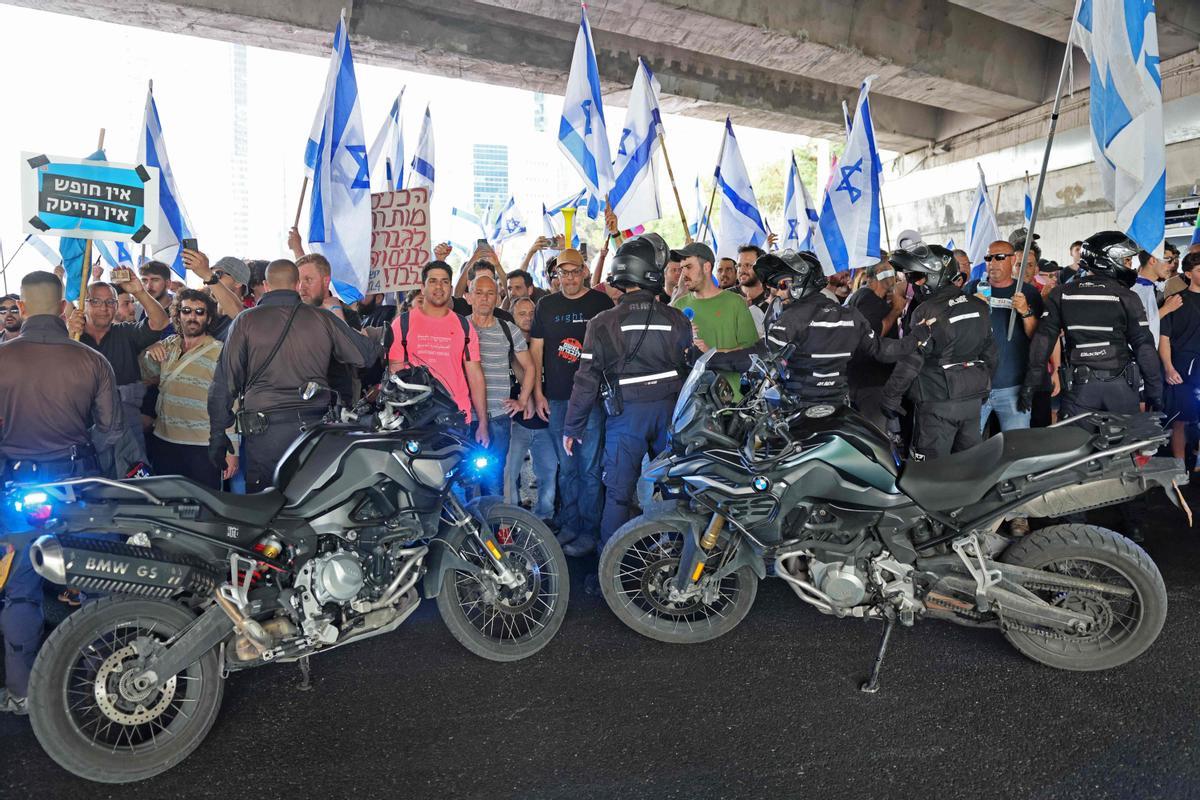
[(97, 565)]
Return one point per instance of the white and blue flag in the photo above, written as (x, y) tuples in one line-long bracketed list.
[(52, 256), (1028, 202), (741, 223), (421, 172), (982, 229), (582, 135), (543, 256), (173, 225), (116, 255), (387, 151), (340, 208), (1120, 39), (848, 230), (466, 229), (701, 224), (634, 196), (799, 213), (509, 223)]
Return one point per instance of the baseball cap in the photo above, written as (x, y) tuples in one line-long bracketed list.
[(700, 250), (570, 256), (675, 255), (234, 268)]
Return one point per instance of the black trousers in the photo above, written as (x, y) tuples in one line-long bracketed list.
[(188, 460), (1114, 395), (945, 427), (261, 452)]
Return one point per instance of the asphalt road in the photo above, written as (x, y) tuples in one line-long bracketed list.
[(771, 710)]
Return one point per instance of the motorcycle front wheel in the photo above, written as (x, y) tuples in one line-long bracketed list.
[(501, 623), (91, 720), (637, 568)]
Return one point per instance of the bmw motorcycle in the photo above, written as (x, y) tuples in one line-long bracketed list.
[(362, 525), (817, 497)]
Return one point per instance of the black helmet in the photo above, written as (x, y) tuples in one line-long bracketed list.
[(640, 261), (930, 261), (801, 269), (1105, 253)]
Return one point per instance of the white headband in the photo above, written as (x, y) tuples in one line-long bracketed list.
[(884, 273)]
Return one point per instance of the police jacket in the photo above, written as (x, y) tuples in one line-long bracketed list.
[(826, 335), (315, 338), (1105, 325), (958, 360), (655, 368)]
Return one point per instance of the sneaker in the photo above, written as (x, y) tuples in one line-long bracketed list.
[(580, 547), (1019, 526), (11, 704)]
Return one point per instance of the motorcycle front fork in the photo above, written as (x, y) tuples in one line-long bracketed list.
[(485, 538), (693, 559)]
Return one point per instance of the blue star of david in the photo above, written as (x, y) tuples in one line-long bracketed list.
[(845, 185), (362, 180), (511, 225), (792, 225)]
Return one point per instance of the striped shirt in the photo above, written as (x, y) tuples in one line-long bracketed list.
[(183, 383), (493, 354)]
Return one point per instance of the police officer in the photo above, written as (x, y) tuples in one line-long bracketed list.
[(272, 352), (948, 377), (57, 396), (826, 334), (633, 357)]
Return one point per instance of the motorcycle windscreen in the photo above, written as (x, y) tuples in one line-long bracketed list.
[(685, 409)]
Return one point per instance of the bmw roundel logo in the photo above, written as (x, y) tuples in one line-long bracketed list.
[(412, 447), (761, 484)]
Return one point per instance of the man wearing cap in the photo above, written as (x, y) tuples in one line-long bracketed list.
[(556, 345)]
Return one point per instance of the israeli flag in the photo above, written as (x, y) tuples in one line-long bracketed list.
[(53, 258), (741, 224), (982, 229), (508, 224), (421, 170), (467, 230), (1028, 203), (115, 256), (702, 224), (847, 235), (543, 256), (582, 134), (340, 208), (799, 213), (1120, 39), (173, 225), (634, 196), (387, 151), (950, 244)]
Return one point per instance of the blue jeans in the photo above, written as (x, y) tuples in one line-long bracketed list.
[(628, 439), (1004, 403), (540, 446), (579, 483)]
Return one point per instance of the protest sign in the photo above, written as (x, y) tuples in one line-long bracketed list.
[(399, 240), (84, 199)]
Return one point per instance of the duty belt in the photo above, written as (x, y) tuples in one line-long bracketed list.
[(79, 457)]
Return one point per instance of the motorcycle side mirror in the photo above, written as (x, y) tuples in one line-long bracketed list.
[(309, 390)]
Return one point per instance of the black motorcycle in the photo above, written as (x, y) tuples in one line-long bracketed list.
[(363, 523), (816, 496)]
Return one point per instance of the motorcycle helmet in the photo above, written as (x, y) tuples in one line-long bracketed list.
[(799, 273), (1108, 253), (932, 262), (640, 261)]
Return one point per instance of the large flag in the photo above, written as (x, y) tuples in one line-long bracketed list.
[(582, 134), (741, 224), (1028, 202), (173, 223), (1120, 39), (847, 235), (72, 251), (116, 255), (701, 224), (421, 171), (53, 258), (340, 209), (982, 229), (799, 212), (387, 151), (509, 223), (634, 196)]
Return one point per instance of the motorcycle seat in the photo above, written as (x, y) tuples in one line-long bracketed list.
[(255, 510), (963, 478)]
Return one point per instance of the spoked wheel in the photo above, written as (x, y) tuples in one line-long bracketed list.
[(1123, 624), (637, 572), (504, 623), (86, 711)]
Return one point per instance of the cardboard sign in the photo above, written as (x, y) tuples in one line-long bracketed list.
[(400, 244), (84, 199)]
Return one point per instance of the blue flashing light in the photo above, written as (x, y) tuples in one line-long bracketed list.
[(35, 498), (482, 462)]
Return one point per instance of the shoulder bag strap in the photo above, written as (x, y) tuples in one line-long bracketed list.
[(258, 373)]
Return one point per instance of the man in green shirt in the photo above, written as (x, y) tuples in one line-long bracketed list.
[(720, 318)]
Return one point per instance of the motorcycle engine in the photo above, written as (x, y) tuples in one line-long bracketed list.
[(843, 583), (336, 577)]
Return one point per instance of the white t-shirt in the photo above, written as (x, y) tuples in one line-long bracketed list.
[(1145, 290)]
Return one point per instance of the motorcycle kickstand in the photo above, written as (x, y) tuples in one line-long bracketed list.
[(871, 685), (305, 675)]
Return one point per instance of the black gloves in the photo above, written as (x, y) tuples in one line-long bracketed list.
[(1154, 404), (1025, 399), (890, 411), (218, 448)]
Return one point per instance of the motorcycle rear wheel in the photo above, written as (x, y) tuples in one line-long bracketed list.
[(1128, 627), (81, 710), (637, 563)]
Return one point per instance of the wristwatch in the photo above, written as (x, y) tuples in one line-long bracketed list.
[(213, 281), (1027, 315)]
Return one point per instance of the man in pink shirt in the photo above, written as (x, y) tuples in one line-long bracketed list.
[(444, 342)]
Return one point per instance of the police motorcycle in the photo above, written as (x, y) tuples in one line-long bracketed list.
[(364, 524), (816, 496)]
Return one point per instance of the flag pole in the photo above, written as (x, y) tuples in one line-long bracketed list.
[(671, 174), (300, 205), (713, 196), (1037, 198), (887, 237)]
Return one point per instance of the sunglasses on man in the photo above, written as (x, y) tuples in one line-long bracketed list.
[(998, 257), (188, 311), (5, 310)]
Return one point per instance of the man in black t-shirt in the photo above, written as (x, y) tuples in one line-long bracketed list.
[(1179, 349), (882, 303), (556, 344)]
